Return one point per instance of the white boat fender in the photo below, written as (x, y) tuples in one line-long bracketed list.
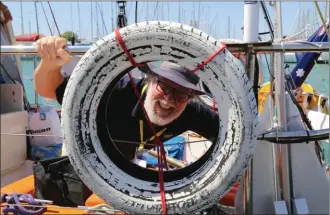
[(226, 160), (320, 103), (306, 101)]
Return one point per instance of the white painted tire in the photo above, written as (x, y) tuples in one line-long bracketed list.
[(241, 60), (187, 46)]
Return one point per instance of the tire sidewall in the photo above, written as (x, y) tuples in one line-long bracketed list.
[(164, 41)]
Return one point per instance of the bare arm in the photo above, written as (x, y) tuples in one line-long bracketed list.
[(47, 76), (47, 79)]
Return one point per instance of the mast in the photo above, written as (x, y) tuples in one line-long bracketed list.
[(22, 23), (30, 27), (36, 11), (179, 11), (251, 31), (308, 26), (299, 21), (79, 23), (136, 10), (199, 13), (71, 20), (102, 18), (228, 26), (281, 115), (315, 20), (161, 11), (97, 22), (112, 23), (156, 10), (326, 11), (147, 14), (104, 29), (208, 20), (168, 11), (303, 20), (194, 12), (234, 32), (92, 21)]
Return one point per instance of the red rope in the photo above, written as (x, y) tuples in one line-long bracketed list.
[(214, 106), (122, 45), (161, 154), (160, 149), (210, 58), (207, 60)]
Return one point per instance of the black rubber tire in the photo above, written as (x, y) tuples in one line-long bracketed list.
[(187, 46)]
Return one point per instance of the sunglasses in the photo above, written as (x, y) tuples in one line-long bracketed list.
[(167, 90)]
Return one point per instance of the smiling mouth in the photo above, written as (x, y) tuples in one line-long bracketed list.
[(164, 108)]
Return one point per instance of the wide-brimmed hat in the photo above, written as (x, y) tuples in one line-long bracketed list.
[(175, 73)]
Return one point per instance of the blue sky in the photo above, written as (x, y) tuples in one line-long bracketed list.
[(213, 18)]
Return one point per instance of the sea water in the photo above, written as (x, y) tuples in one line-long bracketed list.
[(318, 79)]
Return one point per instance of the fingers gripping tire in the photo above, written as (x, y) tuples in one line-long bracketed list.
[(184, 45)]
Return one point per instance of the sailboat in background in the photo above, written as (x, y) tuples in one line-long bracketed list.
[(303, 28)]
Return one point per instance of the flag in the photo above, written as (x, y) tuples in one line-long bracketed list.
[(306, 60)]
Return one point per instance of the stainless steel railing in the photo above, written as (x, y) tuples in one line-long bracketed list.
[(261, 47)]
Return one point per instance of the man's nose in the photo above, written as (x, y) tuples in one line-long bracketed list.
[(170, 97)]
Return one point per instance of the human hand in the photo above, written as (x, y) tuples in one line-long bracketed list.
[(51, 50)]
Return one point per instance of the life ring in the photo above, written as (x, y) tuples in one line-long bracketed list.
[(226, 160)]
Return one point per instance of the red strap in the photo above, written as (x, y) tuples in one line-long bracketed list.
[(237, 55), (207, 60), (160, 149), (161, 154), (122, 45), (214, 106)]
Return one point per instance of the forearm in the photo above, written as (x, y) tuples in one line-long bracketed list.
[(46, 79)]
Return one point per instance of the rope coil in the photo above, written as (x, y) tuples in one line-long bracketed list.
[(15, 204)]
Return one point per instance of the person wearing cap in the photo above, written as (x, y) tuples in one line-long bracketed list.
[(167, 93)]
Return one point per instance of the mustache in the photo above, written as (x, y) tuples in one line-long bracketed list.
[(165, 102)]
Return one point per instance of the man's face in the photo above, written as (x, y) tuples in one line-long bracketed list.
[(165, 101)]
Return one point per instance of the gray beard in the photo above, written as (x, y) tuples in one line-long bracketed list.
[(149, 105)]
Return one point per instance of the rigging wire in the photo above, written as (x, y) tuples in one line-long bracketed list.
[(98, 32), (104, 26), (43, 9), (156, 10), (268, 21), (136, 11), (51, 10)]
